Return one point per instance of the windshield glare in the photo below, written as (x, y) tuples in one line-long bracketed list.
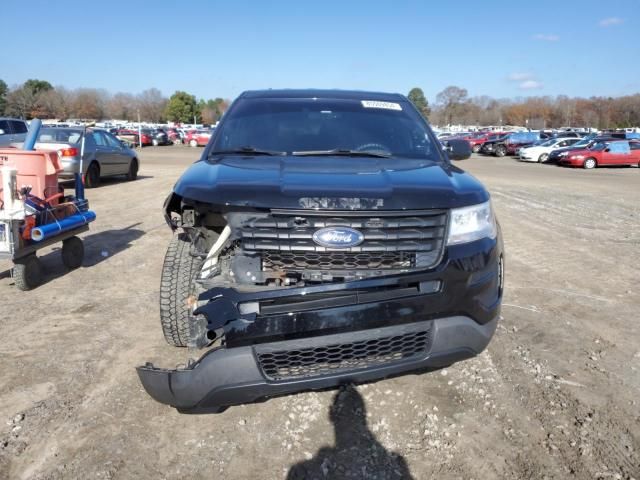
[(300, 125)]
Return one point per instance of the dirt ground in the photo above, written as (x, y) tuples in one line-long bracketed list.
[(556, 394)]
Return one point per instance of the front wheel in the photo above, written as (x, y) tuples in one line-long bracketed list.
[(193, 143), (501, 151), (543, 158), (178, 290), (589, 163), (476, 148)]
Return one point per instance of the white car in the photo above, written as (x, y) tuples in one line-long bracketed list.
[(540, 153)]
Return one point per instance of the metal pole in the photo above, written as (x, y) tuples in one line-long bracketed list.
[(80, 176), (139, 131)]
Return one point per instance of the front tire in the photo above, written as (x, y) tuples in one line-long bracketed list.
[(193, 143), (154, 142), (589, 163), (543, 158), (500, 151), (476, 148), (178, 290)]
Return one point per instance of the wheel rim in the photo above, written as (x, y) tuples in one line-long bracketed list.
[(193, 143), (543, 158), (589, 163)]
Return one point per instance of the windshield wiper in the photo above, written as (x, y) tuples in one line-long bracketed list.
[(341, 152), (247, 151)]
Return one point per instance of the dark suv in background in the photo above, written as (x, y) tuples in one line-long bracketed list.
[(324, 237)]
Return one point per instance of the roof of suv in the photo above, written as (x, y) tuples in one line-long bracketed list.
[(319, 93)]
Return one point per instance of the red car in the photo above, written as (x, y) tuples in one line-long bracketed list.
[(477, 139), (174, 135), (622, 152), (197, 138), (132, 136)]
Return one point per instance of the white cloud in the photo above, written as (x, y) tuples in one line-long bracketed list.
[(547, 37), (519, 76), (611, 21), (530, 85)]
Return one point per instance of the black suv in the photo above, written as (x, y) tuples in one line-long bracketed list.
[(324, 237)]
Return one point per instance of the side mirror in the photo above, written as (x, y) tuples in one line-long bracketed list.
[(607, 149), (458, 149)]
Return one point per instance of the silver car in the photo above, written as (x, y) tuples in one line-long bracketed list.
[(104, 155)]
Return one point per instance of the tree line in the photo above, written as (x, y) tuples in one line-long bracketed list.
[(38, 98), (454, 106)]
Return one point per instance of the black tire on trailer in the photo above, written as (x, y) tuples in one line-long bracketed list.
[(27, 272), (92, 177), (72, 252), (178, 290)]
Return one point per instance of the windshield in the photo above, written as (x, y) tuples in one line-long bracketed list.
[(59, 135), (315, 125)]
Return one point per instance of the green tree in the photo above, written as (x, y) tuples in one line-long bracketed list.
[(37, 86), (416, 96), (181, 108), (3, 94)]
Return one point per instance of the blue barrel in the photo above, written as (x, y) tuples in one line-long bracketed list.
[(32, 135)]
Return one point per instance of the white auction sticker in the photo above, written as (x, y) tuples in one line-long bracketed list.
[(385, 105)]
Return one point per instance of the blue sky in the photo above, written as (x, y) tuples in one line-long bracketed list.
[(214, 48)]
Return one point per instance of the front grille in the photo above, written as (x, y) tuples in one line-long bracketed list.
[(392, 240), (336, 260), (322, 360)]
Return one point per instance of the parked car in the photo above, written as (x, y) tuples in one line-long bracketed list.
[(12, 130), (540, 153), (104, 155), (131, 136), (619, 152), (174, 135), (341, 246), (581, 144), (510, 144), (492, 140), (477, 139), (197, 138), (159, 137)]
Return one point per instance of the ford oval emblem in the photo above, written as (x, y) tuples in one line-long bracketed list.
[(338, 237)]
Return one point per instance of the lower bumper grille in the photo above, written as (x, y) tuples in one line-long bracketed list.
[(321, 360), (337, 260)]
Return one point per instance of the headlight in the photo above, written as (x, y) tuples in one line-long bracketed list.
[(472, 223)]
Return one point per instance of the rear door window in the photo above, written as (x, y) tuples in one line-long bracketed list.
[(18, 127)]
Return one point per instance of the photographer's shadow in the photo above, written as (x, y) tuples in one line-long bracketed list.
[(357, 453)]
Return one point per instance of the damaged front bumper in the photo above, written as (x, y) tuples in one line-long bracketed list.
[(283, 341)]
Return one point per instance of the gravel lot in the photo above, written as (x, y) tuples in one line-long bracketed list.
[(556, 394)]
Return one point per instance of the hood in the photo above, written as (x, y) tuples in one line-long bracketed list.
[(338, 183)]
